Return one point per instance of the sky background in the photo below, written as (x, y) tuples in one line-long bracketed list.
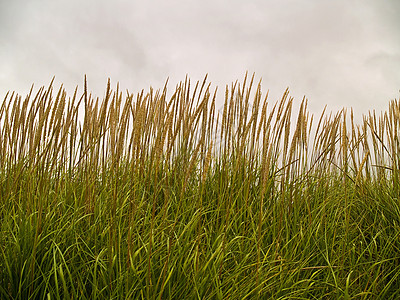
[(343, 53)]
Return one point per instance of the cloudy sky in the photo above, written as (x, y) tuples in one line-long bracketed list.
[(343, 53)]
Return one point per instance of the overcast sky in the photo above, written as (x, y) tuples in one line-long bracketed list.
[(342, 53)]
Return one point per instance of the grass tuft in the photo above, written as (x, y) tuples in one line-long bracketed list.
[(145, 197)]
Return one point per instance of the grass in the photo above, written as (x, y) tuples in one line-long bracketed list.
[(144, 197)]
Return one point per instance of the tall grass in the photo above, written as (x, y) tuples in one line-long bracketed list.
[(148, 197)]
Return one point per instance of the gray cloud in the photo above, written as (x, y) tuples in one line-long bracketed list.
[(339, 53)]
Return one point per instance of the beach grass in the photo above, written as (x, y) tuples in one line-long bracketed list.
[(144, 196)]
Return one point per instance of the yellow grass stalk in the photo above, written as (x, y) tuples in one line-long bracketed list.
[(211, 120), (207, 163), (359, 173)]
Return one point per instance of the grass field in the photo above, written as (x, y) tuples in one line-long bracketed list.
[(148, 197)]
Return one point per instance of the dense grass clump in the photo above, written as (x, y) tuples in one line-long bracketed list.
[(144, 197)]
